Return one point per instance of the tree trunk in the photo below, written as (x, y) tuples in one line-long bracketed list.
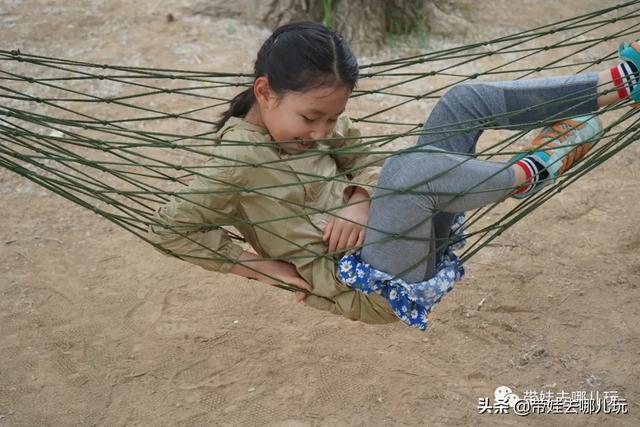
[(279, 12), (365, 24), (361, 22)]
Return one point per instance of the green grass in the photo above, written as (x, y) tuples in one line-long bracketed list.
[(326, 13), (397, 32), (402, 32)]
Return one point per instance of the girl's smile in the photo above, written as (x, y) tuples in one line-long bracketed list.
[(305, 144), (298, 146), (302, 117)]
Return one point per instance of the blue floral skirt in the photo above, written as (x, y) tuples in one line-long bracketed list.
[(411, 302)]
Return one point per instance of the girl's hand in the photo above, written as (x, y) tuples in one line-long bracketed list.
[(267, 271), (343, 234), (284, 272), (300, 296), (288, 274)]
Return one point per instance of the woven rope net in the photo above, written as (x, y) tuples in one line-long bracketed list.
[(122, 141)]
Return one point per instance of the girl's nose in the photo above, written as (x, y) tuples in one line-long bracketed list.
[(321, 132)]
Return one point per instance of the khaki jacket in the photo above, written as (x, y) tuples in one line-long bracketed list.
[(276, 201)]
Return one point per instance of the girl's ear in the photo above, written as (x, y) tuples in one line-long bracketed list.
[(263, 93)]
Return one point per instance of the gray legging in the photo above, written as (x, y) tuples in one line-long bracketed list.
[(406, 230)]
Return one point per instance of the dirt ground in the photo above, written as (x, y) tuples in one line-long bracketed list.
[(97, 328)]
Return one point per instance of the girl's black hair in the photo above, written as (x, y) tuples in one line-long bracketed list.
[(297, 57)]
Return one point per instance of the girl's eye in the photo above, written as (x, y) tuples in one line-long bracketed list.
[(308, 120)]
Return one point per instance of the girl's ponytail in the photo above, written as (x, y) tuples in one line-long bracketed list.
[(240, 106)]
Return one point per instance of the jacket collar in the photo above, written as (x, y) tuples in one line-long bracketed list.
[(242, 123), (239, 122)]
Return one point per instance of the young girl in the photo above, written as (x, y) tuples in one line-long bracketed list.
[(302, 203)]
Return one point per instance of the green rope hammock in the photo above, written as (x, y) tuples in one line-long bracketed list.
[(121, 140)]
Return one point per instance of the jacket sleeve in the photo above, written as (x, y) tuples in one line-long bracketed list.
[(355, 305), (188, 226), (355, 155)]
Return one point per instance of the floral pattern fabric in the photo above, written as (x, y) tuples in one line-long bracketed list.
[(411, 302)]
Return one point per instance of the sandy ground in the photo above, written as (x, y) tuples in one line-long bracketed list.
[(97, 328)]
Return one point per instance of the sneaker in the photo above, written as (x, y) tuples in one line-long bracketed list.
[(557, 148), (631, 52)]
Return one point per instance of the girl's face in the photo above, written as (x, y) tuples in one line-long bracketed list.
[(300, 116)]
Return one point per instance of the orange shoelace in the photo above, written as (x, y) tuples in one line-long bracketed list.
[(555, 136)]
